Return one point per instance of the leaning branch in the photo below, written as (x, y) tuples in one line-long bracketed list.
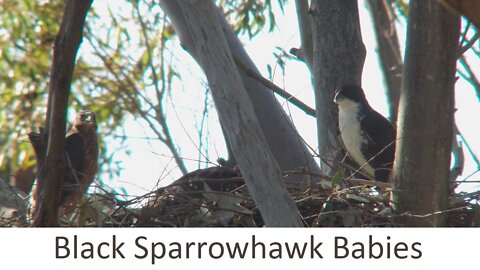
[(279, 91)]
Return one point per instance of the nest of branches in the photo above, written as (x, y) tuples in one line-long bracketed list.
[(218, 197)]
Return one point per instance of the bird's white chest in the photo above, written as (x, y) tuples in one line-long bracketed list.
[(352, 136)]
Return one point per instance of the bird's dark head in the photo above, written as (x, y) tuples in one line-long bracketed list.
[(86, 120), (350, 94)]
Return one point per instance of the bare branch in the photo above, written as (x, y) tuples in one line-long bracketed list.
[(160, 92), (134, 96), (289, 97)]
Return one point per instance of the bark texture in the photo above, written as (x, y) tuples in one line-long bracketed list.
[(424, 137)]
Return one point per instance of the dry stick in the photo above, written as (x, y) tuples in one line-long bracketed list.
[(295, 101)]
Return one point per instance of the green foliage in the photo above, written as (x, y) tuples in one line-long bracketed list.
[(27, 32), (251, 17)]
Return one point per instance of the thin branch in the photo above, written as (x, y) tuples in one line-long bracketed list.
[(125, 82), (202, 126), (289, 97), (160, 92)]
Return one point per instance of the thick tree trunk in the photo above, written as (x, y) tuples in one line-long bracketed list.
[(421, 170), (338, 58), (51, 159), (288, 149), (388, 52), (258, 166)]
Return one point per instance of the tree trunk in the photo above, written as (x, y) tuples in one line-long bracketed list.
[(424, 139), (287, 147), (338, 58), (388, 52), (258, 166), (51, 159)]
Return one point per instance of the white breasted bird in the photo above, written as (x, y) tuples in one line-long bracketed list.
[(368, 137)]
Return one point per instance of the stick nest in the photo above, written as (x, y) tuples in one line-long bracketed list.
[(218, 197)]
